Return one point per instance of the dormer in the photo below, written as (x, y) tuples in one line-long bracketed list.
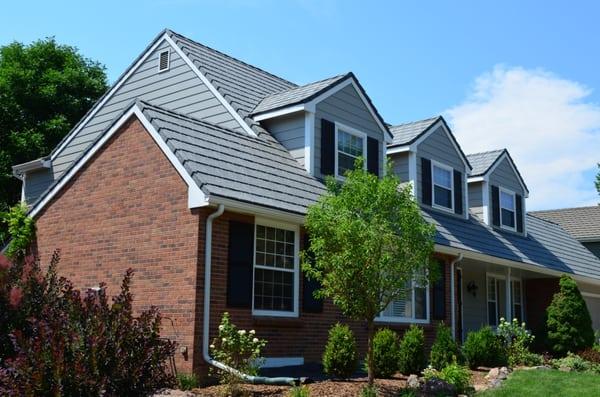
[(326, 125), (497, 192), (426, 154)]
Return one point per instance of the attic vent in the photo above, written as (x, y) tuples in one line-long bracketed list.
[(163, 61)]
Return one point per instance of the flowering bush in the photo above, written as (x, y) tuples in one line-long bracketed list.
[(54, 340), (454, 374), (516, 339), (238, 349)]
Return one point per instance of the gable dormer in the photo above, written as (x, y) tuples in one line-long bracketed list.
[(426, 154), (326, 125), (497, 192)]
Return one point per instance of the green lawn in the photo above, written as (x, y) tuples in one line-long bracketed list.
[(547, 383)]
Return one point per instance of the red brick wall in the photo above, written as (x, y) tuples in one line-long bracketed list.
[(127, 207), (538, 295)]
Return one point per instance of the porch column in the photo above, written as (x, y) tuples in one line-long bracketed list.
[(508, 296)]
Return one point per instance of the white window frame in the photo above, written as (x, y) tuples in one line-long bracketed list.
[(352, 131), (495, 277), (434, 164), (409, 320), (512, 297), (514, 210), (296, 271), (168, 51)]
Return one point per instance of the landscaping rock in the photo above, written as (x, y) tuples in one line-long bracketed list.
[(413, 382), (564, 369), (436, 387)]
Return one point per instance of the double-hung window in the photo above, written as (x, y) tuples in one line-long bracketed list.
[(413, 307), (492, 301), (443, 186), (275, 290), (517, 299), (350, 145), (507, 209)]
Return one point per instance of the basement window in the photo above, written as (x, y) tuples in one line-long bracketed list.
[(164, 60)]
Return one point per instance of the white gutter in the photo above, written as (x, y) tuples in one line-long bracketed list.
[(452, 293), (206, 319)]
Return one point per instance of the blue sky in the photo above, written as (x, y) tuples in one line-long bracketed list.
[(481, 64)]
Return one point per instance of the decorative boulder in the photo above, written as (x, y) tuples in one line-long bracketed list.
[(437, 387), (413, 382)]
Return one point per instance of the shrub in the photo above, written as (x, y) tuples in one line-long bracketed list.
[(340, 358), (385, 353), (187, 381), (454, 374), (484, 348), (411, 358), (445, 349), (568, 325), (368, 391), (299, 391), (591, 355), (58, 341), (572, 362), (516, 340), (238, 349)]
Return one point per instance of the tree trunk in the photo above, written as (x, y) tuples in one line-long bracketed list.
[(370, 369)]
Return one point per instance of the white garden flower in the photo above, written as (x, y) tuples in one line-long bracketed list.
[(252, 332), (255, 340), (242, 332), (221, 327), (212, 346), (224, 340)]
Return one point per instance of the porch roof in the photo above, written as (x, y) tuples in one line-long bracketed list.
[(546, 246)]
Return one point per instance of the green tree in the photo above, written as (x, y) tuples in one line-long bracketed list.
[(368, 240), (597, 183), (20, 231), (568, 324), (45, 88)]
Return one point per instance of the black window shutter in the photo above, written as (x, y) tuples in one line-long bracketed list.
[(458, 192), (310, 304), (439, 295), (239, 274), (495, 206), (373, 156), (519, 204), (327, 147), (426, 180)]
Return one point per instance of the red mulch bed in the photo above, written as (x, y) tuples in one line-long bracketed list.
[(332, 388)]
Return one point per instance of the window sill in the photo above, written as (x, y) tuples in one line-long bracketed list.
[(275, 321)]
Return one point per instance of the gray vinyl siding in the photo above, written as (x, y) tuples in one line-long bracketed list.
[(593, 305), (504, 176), (476, 199), (346, 107), (178, 88), (439, 147), (400, 166), (474, 307), (289, 131), (36, 183), (594, 247)]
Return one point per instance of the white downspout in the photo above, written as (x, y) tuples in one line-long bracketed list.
[(452, 293), (206, 317)]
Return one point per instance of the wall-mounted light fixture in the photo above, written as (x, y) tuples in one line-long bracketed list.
[(472, 288)]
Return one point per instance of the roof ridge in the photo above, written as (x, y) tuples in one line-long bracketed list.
[(415, 122), (487, 152), (566, 209), (530, 213), (231, 57)]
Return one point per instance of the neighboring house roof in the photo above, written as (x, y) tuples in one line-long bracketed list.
[(583, 223), (485, 162), (407, 133), (546, 245), (233, 165), (296, 95)]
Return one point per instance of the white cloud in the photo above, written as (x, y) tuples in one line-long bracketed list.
[(547, 123)]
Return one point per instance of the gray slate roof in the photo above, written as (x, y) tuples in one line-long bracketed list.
[(296, 95), (582, 222), (234, 165), (546, 245), (408, 132), (241, 84), (481, 162)]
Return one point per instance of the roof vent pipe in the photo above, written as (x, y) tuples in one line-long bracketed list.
[(206, 319)]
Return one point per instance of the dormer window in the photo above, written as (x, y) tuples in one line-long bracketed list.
[(350, 145), (507, 209), (443, 186)]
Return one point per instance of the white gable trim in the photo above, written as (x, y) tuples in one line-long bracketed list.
[(196, 198), (211, 87), (106, 97), (431, 129), (280, 112)]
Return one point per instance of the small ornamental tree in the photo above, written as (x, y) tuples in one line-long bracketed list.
[(568, 324), (367, 241)]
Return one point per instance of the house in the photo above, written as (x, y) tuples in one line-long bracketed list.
[(583, 223), (196, 169)]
